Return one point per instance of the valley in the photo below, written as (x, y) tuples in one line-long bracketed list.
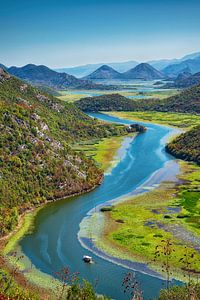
[(145, 186), (99, 150)]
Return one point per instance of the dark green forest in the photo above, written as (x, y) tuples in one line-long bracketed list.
[(186, 146), (188, 101)]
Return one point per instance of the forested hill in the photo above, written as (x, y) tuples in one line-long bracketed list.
[(36, 161), (186, 146), (111, 102), (188, 101)]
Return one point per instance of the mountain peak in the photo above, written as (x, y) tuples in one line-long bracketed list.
[(104, 72), (143, 71), (105, 67)]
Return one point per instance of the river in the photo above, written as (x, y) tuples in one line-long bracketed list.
[(54, 241)]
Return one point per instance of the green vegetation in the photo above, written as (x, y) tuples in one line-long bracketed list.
[(11, 290), (186, 146), (103, 151), (73, 96), (172, 119), (187, 101), (69, 97), (46, 146), (106, 208), (36, 159), (67, 286), (186, 292), (111, 102), (148, 94), (167, 212)]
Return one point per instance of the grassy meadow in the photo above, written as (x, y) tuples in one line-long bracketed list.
[(103, 151), (136, 227), (72, 96), (185, 121)]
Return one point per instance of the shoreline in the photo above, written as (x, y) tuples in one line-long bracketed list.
[(126, 115), (100, 248), (54, 200), (26, 272), (10, 241), (33, 209), (104, 249), (102, 245)]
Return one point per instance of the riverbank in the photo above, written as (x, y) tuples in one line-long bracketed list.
[(115, 240), (27, 279), (105, 152), (135, 225), (183, 121), (123, 172)]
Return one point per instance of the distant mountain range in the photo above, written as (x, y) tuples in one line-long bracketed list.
[(42, 76), (185, 80), (182, 72), (142, 71), (163, 63), (189, 65), (82, 71)]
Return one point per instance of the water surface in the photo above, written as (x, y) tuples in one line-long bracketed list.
[(54, 242)]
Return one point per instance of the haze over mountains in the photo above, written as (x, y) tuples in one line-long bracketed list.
[(42, 76), (185, 80), (142, 71), (184, 72), (82, 71), (189, 65)]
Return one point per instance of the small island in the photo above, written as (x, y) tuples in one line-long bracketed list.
[(138, 128)]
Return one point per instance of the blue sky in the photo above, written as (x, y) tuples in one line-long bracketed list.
[(61, 33)]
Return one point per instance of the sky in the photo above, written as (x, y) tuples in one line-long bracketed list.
[(62, 33)]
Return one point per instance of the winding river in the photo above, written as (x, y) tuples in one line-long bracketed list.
[(54, 242)]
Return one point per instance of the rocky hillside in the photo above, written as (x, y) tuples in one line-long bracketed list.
[(104, 72), (186, 146), (42, 76), (36, 160)]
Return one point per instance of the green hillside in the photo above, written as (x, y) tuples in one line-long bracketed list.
[(36, 160), (186, 146), (188, 101)]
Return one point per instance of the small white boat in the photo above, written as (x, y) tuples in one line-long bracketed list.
[(87, 259)]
